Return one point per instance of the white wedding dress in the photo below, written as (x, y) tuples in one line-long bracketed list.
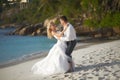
[(55, 62)]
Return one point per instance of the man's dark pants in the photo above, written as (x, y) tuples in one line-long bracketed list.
[(70, 47)]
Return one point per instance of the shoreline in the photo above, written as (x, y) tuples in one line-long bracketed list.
[(96, 62), (80, 45), (23, 59)]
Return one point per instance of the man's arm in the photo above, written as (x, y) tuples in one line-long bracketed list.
[(66, 37)]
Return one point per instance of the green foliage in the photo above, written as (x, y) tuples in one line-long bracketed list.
[(102, 13), (107, 21), (92, 23), (99, 13), (116, 19)]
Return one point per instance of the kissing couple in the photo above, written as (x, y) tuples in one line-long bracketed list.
[(59, 59)]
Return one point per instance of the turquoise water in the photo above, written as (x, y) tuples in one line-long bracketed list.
[(13, 47)]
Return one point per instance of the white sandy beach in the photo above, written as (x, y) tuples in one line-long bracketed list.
[(95, 62)]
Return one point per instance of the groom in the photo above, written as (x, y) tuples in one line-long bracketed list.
[(69, 37)]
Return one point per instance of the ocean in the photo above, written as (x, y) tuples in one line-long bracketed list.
[(13, 47)]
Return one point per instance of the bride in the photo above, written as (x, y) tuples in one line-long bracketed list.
[(56, 61)]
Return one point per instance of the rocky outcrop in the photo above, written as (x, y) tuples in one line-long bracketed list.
[(81, 30), (33, 30), (100, 32), (97, 32), (117, 30)]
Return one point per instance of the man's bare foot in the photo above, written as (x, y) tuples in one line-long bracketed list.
[(71, 69)]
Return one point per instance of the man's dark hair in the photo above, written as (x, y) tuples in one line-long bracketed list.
[(64, 18)]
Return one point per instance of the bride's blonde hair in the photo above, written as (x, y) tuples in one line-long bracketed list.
[(49, 30)]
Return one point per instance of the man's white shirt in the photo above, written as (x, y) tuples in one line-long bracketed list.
[(69, 34)]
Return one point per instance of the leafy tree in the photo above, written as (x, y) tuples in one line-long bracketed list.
[(94, 13)]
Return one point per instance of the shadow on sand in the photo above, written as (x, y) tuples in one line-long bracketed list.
[(77, 69)]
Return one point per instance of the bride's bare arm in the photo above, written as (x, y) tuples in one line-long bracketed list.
[(56, 34), (59, 34)]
